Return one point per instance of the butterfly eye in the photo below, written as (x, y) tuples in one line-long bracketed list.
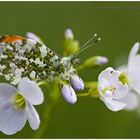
[(75, 61)]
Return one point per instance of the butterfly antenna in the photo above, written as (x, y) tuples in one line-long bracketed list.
[(94, 39)]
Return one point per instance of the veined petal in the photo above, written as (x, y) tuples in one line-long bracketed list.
[(121, 90), (12, 121), (134, 59), (114, 105), (122, 68), (33, 117), (102, 84), (134, 50), (31, 91), (135, 82), (133, 64), (131, 101), (134, 68), (110, 75), (6, 93), (106, 96)]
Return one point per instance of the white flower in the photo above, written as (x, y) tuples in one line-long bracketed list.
[(69, 94), (77, 83), (111, 89), (16, 106), (131, 71)]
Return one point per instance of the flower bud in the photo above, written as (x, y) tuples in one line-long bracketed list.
[(93, 62), (69, 34), (69, 94), (101, 60), (70, 45), (33, 37), (77, 83)]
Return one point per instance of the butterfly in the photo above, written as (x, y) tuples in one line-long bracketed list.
[(24, 57)]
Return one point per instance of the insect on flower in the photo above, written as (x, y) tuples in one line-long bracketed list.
[(20, 57), (24, 57)]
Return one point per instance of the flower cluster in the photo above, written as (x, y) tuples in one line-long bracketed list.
[(27, 63), (24, 63)]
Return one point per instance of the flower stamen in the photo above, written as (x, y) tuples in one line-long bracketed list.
[(110, 88), (19, 102)]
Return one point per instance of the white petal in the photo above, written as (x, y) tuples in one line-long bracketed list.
[(6, 93), (31, 91), (102, 83), (134, 68), (134, 59), (134, 50), (12, 121), (33, 117), (133, 75), (122, 68), (121, 90), (69, 94), (110, 75), (113, 105), (131, 101), (106, 96)]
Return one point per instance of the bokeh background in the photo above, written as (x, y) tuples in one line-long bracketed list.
[(118, 23)]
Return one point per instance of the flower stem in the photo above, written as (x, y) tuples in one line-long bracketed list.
[(82, 94), (53, 99), (45, 121)]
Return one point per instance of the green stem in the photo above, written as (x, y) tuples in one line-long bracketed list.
[(45, 121), (82, 94), (93, 84)]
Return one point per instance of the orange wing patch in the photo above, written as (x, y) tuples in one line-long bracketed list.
[(11, 38)]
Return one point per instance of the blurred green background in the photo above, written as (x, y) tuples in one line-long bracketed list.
[(118, 23)]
